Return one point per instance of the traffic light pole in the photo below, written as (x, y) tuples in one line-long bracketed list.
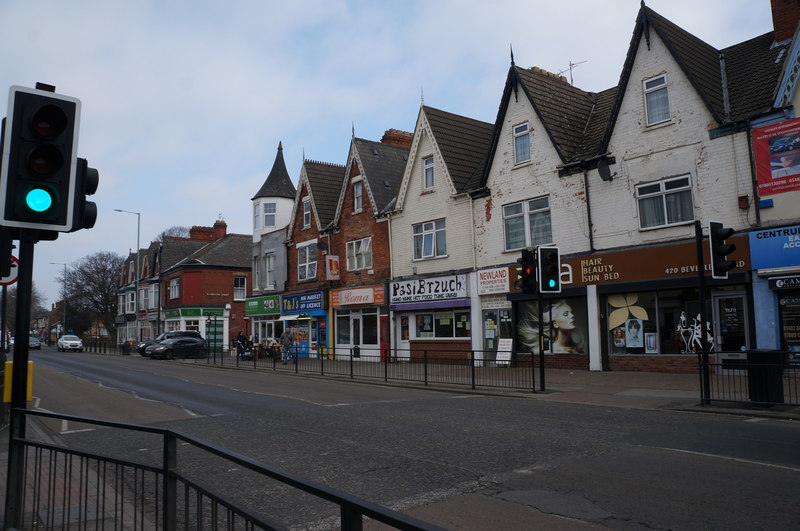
[(705, 378), (541, 337), (19, 380)]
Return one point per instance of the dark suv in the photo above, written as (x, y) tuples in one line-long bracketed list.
[(141, 348)]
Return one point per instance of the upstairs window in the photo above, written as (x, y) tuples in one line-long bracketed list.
[(256, 219), (427, 171), (156, 295), (522, 143), (239, 288), (358, 204), (257, 261), (307, 262), (656, 100), (306, 213), (131, 302), (430, 239), (359, 254), (144, 302), (527, 223), (174, 288), (664, 203), (269, 215), (270, 267)]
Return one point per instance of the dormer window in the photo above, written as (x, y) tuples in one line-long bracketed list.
[(427, 173), (656, 99), (522, 143), (306, 213)]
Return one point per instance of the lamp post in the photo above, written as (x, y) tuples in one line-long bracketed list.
[(136, 283), (63, 299)]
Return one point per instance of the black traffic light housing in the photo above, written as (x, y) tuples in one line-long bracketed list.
[(39, 160), (86, 181), (720, 249), (549, 260), (527, 272)]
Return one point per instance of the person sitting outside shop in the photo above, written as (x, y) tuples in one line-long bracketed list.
[(286, 340)]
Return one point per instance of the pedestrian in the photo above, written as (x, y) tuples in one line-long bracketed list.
[(286, 340), (241, 344)]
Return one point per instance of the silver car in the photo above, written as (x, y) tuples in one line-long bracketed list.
[(70, 342)]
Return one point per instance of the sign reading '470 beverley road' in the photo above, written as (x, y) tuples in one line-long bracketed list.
[(428, 289)]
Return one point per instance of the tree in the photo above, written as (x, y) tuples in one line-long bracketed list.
[(175, 232), (11, 306), (91, 290)]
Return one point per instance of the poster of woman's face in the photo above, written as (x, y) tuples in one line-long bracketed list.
[(634, 335), (564, 326)]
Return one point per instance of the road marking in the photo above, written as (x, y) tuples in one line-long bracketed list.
[(729, 458)]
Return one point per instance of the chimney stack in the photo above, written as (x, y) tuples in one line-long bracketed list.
[(785, 16), (395, 137)]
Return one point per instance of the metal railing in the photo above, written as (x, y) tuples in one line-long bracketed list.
[(741, 381), (188, 484), (441, 367)]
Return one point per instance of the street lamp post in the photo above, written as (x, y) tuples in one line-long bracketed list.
[(136, 283), (63, 299)]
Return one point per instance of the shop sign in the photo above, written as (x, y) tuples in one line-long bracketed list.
[(493, 281), (357, 296), (301, 303), (332, 267), (784, 283), (208, 312), (263, 305), (428, 289), (172, 314), (775, 247), (776, 149)]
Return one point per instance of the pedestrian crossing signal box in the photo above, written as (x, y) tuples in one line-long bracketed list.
[(9, 366)]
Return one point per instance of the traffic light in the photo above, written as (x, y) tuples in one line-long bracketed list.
[(84, 212), (527, 272), (37, 176), (719, 250), (549, 261)]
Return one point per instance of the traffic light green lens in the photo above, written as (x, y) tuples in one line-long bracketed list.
[(552, 283), (38, 200)]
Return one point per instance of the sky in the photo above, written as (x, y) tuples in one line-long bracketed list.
[(184, 102)]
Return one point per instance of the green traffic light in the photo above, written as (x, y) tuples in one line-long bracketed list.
[(552, 283), (38, 200)]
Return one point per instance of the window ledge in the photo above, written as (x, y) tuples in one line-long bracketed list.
[(681, 224), (659, 125), (522, 164), (426, 192)]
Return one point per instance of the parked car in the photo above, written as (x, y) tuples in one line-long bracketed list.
[(141, 348), (178, 347), (69, 342), (33, 342)]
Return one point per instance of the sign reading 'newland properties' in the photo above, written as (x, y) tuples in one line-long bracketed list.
[(428, 289)]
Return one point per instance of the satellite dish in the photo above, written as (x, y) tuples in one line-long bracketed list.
[(602, 169)]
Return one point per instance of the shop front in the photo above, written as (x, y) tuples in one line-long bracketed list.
[(496, 310), (212, 323), (361, 323), (264, 312), (775, 255), (306, 317), (641, 310), (431, 315)]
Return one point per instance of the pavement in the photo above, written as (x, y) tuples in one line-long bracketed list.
[(628, 390)]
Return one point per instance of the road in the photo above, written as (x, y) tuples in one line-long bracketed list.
[(460, 460)]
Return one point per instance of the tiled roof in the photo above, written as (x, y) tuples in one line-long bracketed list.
[(383, 166), (753, 69), (464, 145), (278, 183), (325, 183), (174, 250), (232, 250)]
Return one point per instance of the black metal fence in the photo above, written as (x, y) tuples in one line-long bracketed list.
[(775, 381), (474, 369), (187, 484)]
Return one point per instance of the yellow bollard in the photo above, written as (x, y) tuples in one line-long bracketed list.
[(7, 382)]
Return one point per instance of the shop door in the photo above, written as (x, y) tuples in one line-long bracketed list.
[(731, 333), (403, 336)]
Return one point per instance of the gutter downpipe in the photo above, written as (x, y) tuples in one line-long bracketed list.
[(588, 209)]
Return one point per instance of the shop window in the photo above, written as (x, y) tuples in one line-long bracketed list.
[(192, 324), (564, 326), (343, 327), (443, 325), (369, 324), (171, 326)]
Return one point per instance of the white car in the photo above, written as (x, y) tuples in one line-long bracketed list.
[(70, 342)]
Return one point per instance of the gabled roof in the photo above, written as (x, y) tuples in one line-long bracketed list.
[(278, 183), (324, 181), (232, 251), (174, 250), (464, 145), (382, 166)]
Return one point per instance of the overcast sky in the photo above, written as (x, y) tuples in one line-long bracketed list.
[(185, 101)]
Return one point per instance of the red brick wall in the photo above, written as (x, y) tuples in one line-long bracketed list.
[(660, 363), (299, 236), (574, 362), (785, 15), (459, 349)]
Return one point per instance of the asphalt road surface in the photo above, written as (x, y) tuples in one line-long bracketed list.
[(459, 460)]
